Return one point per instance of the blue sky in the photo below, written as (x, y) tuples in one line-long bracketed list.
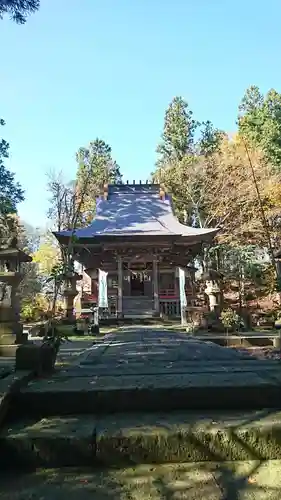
[(109, 68)]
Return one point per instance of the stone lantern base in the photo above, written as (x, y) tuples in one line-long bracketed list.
[(69, 296), (11, 332)]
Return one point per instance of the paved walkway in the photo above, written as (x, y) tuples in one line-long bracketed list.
[(138, 369), (149, 350), (153, 358)]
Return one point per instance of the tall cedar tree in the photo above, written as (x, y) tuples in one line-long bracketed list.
[(178, 134), (96, 158), (180, 165), (260, 123)]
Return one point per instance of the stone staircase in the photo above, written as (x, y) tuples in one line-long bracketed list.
[(137, 307), (133, 400)]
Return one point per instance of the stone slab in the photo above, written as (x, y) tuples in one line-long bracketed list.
[(49, 442), (121, 440), (118, 367), (155, 347), (7, 351), (66, 395), (155, 381), (9, 385), (189, 437)]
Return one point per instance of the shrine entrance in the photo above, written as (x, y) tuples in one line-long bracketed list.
[(138, 279), (137, 285)]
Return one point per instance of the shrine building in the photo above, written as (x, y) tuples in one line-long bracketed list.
[(137, 239)]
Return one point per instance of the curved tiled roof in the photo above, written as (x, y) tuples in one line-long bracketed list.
[(135, 210)]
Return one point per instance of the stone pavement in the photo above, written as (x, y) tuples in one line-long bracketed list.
[(155, 370), (149, 346)]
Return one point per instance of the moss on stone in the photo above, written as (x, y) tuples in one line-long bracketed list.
[(181, 439), (49, 442)]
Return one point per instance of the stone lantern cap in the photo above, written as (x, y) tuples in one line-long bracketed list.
[(14, 254), (212, 275)]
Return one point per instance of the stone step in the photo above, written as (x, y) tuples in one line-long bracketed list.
[(84, 367), (139, 302), (134, 304), (133, 307), (137, 313), (119, 440), (7, 351), (66, 394), (138, 310)]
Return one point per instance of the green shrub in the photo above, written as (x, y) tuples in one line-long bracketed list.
[(230, 319), (34, 310)]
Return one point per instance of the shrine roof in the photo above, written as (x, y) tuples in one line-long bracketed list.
[(137, 210)]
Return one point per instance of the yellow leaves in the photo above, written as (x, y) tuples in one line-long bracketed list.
[(46, 257), (221, 191), (272, 192)]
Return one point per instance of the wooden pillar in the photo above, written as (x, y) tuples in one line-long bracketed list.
[(155, 285), (120, 286)]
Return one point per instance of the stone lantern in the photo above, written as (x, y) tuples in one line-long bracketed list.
[(11, 259), (70, 291), (213, 289)]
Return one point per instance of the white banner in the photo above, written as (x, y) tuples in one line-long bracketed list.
[(182, 287), (103, 300)]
